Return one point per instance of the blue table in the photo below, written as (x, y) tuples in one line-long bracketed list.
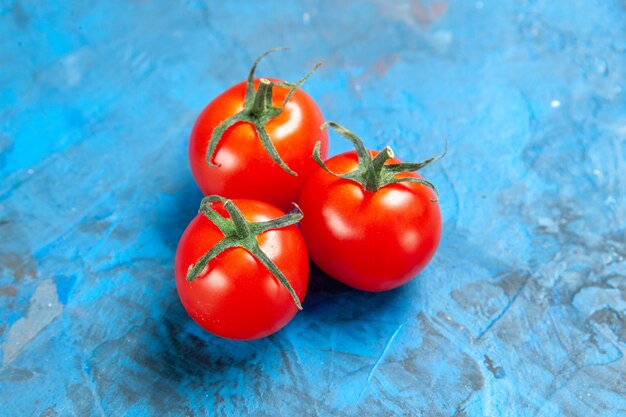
[(522, 311)]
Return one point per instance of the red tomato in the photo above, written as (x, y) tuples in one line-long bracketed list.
[(235, 296), (246, 169), (370, 240)]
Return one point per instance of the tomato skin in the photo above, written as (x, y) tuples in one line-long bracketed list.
[(237, 297), (246, 170), (370, 241)]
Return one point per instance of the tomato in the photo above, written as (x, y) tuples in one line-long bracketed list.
[(375, 234), (261, 150), (235, 295)]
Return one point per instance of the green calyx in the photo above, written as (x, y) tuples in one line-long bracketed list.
[(372, 173), (258, 110), (241, 233)]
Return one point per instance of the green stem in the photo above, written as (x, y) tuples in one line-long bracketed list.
[(241, 233), (372, 173), (284, 221), (376, 167), (250, 84), (262, 98), (224, 225), (381, 158), (242, 226)]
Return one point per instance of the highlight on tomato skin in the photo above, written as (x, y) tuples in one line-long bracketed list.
[(235, 295), (369, 220), (255, 139)]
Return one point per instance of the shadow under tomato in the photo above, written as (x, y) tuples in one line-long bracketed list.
[(186, 354), (192, 353), (331, 300)]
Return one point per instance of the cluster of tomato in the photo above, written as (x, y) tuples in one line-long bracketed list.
[(242, 265)]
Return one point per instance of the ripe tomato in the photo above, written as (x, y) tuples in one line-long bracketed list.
[(372, 229), (235, 295), (255, 140)]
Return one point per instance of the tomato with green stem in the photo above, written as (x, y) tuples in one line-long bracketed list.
[(255, 140), (241, 268), (370, 221)]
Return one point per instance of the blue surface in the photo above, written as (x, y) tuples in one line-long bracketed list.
[(522, 311)]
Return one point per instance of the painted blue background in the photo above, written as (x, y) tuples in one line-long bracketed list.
[(522, 311)]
